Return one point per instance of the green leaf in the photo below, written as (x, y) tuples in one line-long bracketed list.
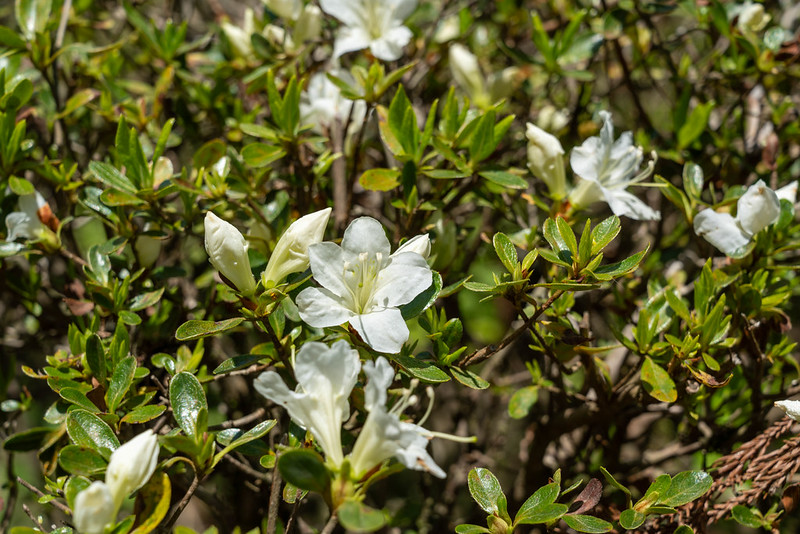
[(260, 154), (424, 300), (10, 39), (567, 236), (657, 381), (145, 300), (468, 378), (81, 461), (686, 487), (20, 186), (587, 523), (32, 16), (28, 440), (121, 381), (695, 124), (73, 487), (77, 101), (154, 499), (506, 251), (471, 529), (195, 329), (425, 371), (111, 177), (604, 233), (485, 489), (545, 513), (615, 270), (505, 178), (745, 516), (238, 362), (90, 432), (537, 504), (358, 517), (305, 469), (96, 358), (482, 142), (684, 529), (143, 414), (693, 179), (78, 398), (188, 401), (630, 519), (246, 437), (380, 179), (522, 401)]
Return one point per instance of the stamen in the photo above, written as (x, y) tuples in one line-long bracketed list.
[(429, 391), (451, 437)]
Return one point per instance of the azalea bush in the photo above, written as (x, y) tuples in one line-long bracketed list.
[(399, 266)]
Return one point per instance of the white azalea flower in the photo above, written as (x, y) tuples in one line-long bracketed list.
[(791, 407), (25, 222), (239, 37), (325, 377), (788, 192), (752, 18), (373, 24), (227, 252), (363, 284), (384, 436), (757, 208), (546, 160), (322, 104), (420, 244), (607, 167), (291, 251), (132, 465), (94, 509)]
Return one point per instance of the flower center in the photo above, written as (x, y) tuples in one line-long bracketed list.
[(360, 278)]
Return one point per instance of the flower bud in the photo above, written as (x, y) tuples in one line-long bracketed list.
[(420, 244), (757, 208), (752, 18), (546, 160), (94, 509), (239, 38), (131, 465), (467, 73), (285, 9), (227, 251), (308, 26), (291, 251), (791, 407)]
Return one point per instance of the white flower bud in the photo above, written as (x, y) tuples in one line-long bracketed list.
[(286, 9), (227, 251), (757, 208), (752, 18), (94, 509), (467, 73), (420, 244), (291, 251), (132, 465), (309, 25), (546, 160), (791, 407), (163, 171), (239, 38)]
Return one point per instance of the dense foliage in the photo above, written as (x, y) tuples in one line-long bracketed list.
[(302, 266)]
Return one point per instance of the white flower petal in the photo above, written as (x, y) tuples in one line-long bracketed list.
[(317, 366), (389, 47), (350, 39), (586, 159), (94, 509), (623, 203), (406, 276), (788, 192), (327, 261), (420, 244), (227, 252), (380, 376), (757, 208), (365, 234), (721, 230), (131, 465), (320, 308), (401, 9), (791, 407), (384, 331), (346, 11)]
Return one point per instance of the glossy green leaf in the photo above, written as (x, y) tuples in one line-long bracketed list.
[(522, 401), (631, 519), (505, 250), (90, 432), (96, 357), (468, 378), (78, 398), (238, 362), (189, 405), (424, 300), (693, 179), (485, 489), (505, 178), (686, 487), (120, 382), (254, 433), (604, 233), (358, 517), (260, 154), (112, 177), (143, 414), (195, 329), (425, 371), (544, 513), (657, 381), (305, 469), (471, 529), (81, 461), (587, 523), (28, 440), (145, 300)]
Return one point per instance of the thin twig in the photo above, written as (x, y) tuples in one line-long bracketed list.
[(242, 372), (63, 507), (233, 423), (485, 352), (274, 502), (34, 519), (177, 510), (330, 525), (74, 257)]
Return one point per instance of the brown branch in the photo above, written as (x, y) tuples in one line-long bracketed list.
[(177, 510), (274, 501), (63, 507), (233, 423), (330, 525), (484, 353)]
